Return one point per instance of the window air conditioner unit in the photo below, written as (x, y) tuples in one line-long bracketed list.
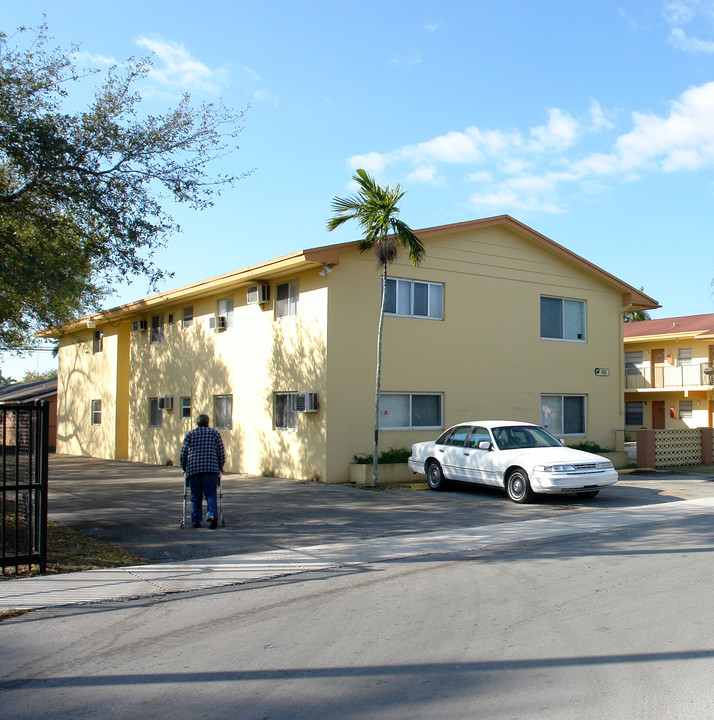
[(218, 323), (258, 294), (304, 402), (166, 402), (139, 326)]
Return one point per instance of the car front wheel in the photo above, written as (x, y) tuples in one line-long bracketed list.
[(518, 486), (435, 476)]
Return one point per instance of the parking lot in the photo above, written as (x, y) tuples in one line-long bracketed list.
[(139, 507)]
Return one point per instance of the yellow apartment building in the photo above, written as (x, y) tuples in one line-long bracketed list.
[(668, 372), (498, 322)]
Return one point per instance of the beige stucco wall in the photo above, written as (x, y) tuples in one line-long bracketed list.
[(84, 376), (258, 356), (486, 356)]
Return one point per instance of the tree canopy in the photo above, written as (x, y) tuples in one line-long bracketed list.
[(82, 194)]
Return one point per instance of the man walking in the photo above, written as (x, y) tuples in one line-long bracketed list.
[(202, 460)]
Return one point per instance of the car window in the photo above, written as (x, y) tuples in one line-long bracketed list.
[(458, 437), (519, 437), (478, 434)]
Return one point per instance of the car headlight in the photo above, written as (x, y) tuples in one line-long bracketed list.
[(554, 468), (605, 466)]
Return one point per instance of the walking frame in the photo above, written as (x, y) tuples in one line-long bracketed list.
[(219, 489)]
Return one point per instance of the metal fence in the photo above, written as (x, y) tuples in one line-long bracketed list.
[(24, 441)]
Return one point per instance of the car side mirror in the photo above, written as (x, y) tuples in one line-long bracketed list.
[(562, 441), (484, 445)]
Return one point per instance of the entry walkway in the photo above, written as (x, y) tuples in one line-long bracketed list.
[(153, 580)]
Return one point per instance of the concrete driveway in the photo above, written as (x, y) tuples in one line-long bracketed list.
[(139, 507)]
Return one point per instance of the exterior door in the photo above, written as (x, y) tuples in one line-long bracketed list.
[(658, 414), (657, 368)]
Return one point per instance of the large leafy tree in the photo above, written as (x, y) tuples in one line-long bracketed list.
[(82, 194), (375, 210)]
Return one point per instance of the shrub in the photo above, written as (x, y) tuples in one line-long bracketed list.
[(591, 447), (386, 457)]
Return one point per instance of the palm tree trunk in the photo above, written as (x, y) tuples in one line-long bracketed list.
[(378, 380)]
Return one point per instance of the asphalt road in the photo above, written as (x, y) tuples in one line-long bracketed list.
[(139, 507), (616, 625)]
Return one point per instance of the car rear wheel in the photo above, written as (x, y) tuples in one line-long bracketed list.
[(518, 486), (435, 476), (588, 494)]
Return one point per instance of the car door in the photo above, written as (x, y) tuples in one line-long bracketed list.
[(453, 453), (475, 456)]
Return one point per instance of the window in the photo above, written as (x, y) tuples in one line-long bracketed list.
[(411, 298), (685, 408), (155, 413), (285, 418), (562, 319), (187, 317), (98, 342), (157, 328), (185, 407), (96, 412), (410, 410), (170, 319), (224, 412), (287, 299), (633, 359), (563, 414), (224, 308), (634, 413), (684, 356)]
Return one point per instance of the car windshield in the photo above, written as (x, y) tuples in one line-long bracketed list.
[(517, 437)]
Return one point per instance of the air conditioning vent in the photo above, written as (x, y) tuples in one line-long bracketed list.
[(305, 402), (139, 326), (258, 294), (166, 402), (218, 323)]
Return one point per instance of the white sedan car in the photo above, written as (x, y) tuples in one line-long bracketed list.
[(520, 457)]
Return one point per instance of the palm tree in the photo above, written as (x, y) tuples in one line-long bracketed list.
[(375, 210)]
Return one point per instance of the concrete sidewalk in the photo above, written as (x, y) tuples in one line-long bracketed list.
[(153, 580)]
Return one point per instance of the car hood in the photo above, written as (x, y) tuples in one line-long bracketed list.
[(550, 456)]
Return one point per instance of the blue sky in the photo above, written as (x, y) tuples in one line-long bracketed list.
[(591, 122)]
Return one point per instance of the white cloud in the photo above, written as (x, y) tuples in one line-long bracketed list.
[(177, 68), (559, 134), (423, 174), (679, 13)]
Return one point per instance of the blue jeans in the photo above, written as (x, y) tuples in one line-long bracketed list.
[(203, 484)]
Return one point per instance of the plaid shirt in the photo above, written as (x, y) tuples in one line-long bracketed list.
[(202, 451)]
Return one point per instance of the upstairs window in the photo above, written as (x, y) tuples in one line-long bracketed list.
[(412, 298), (98, 342), (562, 319), (684, 356), (224, 308), (157, 328), (187, 317), (287, 299)]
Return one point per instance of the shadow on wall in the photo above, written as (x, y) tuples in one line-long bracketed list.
[(297, 362), (77, 387), (185, 365)]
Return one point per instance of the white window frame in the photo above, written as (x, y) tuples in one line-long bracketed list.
[(686, 409), (187, 317), (404, 299), (157, 329), (155, 413), (222, 413), (550, 424), (224, 307), (684, 356), (410, 425), (564, 304), (289, 306), (186, 408), (96, 412), (287, 419)]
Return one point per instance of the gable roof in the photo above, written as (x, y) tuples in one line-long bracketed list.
[(697, 327), (632, 299)]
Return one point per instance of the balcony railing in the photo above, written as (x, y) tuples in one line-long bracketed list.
[(639, 377)]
